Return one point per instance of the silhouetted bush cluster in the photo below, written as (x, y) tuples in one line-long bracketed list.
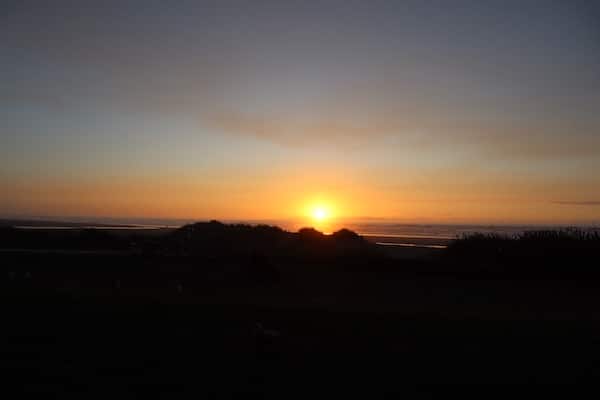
[(215, 239), (564, 252)]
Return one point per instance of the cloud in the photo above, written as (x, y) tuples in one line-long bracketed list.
[(578, 203), (520, 140), (303, 131)]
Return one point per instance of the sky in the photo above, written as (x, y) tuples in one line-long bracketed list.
[(412, 111)]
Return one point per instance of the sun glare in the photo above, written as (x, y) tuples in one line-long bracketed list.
[(320, 214)]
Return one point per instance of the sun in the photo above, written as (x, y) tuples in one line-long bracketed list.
[(320, 213)]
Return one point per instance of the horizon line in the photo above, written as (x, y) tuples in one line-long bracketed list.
[(183, 221)]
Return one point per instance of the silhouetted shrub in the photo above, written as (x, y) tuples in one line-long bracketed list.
[(214, 239), (310, 234), (347, 236), (535, 253)]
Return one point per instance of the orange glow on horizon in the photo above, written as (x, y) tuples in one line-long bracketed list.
[(289, 195)]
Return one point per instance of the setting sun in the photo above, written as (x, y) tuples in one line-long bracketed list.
[(320, 213)]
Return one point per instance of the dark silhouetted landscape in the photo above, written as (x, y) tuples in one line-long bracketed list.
[(225, 309)]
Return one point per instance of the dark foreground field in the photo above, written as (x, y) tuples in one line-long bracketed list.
[(194, 312)]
